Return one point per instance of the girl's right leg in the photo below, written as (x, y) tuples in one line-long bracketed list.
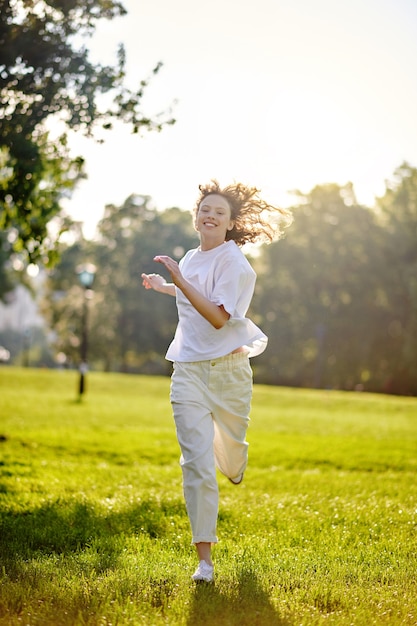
[(195, 433)]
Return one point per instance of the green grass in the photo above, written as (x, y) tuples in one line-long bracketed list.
[(93, 529)]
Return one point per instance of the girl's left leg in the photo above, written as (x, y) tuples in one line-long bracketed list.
[(232, 387)]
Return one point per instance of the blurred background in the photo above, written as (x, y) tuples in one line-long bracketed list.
[(113, 113)]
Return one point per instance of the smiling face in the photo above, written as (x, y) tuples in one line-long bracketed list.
[(213, 220)]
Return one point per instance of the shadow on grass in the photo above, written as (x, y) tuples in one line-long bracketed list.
[(246, 605), (63, 527)]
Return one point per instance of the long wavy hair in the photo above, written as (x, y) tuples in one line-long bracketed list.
[(255, 221)]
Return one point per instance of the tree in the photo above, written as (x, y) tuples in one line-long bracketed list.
[(62, 304), (318, 293), (397, 211), (139, 324), (336, 297), (45, 72), (130, 329)]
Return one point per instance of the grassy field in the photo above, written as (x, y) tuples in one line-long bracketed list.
[(93, 529)]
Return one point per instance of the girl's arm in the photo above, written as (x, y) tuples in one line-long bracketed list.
[(158, 283), (216, 315)]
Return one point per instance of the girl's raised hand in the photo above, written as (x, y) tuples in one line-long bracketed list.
[(153, 281), (171, 266)]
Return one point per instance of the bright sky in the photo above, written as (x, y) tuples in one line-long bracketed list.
[(279, 94)]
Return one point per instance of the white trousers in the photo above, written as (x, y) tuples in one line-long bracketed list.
[(211, 404)]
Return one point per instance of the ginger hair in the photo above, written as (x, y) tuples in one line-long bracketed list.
[(255, 221)]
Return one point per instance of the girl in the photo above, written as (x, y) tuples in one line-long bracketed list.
[(211, 385)]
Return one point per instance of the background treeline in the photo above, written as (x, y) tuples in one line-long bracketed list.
[(337, 296)]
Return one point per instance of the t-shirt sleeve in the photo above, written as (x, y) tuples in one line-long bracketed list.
[(234, 288)]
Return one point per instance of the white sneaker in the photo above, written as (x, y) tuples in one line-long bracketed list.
[(204, 572)]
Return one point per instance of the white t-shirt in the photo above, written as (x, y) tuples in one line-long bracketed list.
[(225, 277)]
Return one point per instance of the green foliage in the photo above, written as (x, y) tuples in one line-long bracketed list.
[(129, 328), (6, 282), (93, 528), (46, 69), (42, 173), (318, 303), (397, 211), (336, 297), (45, 73)]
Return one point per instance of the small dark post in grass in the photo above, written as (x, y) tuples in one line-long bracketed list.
[(86, 275)]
